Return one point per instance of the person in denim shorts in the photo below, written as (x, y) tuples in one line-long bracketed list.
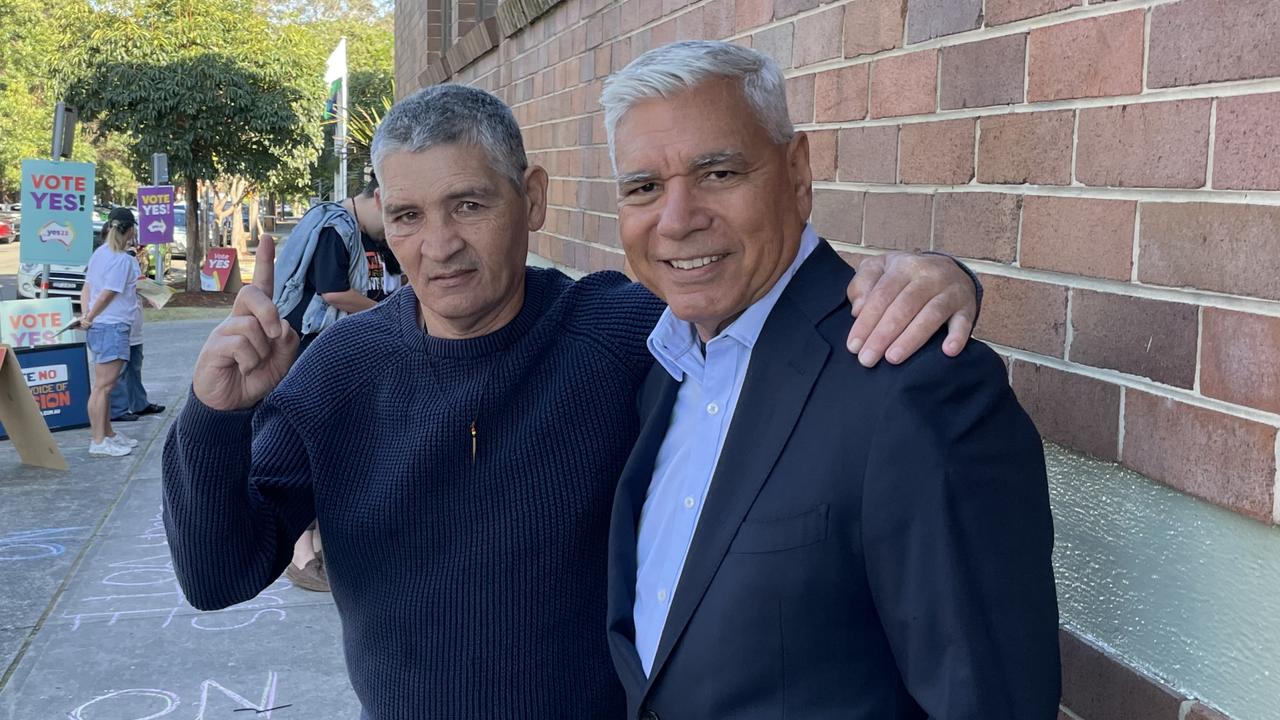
[(109, 302)]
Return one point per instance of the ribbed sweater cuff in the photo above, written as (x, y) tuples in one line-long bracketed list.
[(217, 428)]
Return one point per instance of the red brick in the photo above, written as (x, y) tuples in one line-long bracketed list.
[(1026, 148), (869, 154), (1098, 686), (840, 94), (814, 39), (897, 220), (800, 98), (1246, 153), (939, 153), (1087, 58), (719, 19), (871, 26), (1149, 338), (1149, 145), (904, 85), (837, 215), (983, 73), (1221, 458), (775, 42), (928, 19), (1238, 358), (690, 25), (1200, 711), (1000, 12), (1069, 409), (1024, 314), (752, 14), (977, 225), (1200, 41), (1080, 236), (1233, 249), (822, 154)]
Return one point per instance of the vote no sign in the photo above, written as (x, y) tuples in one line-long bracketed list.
[(155, 215)]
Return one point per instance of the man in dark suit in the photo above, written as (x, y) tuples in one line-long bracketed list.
[(796, 535)]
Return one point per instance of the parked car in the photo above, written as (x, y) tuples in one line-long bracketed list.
[(9, 229), (64, 281)]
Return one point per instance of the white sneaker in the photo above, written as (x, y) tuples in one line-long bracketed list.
[(107, 448), (124, 440)]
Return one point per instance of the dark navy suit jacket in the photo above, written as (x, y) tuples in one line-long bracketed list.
[(875, 543)]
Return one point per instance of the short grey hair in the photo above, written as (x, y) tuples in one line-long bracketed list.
[(667, 70), (448, 115)]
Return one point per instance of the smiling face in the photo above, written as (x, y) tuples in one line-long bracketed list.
[(461, 232), (710, 208)]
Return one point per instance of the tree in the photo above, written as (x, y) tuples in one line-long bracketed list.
[(214, 85)]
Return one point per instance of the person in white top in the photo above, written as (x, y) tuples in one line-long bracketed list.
[(109, 302)]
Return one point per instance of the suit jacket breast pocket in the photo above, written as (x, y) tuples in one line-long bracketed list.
[(776, 535)]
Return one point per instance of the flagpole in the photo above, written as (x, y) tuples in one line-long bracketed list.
[(337, 70)]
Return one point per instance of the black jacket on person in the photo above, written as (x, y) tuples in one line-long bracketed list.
[(875, 543)]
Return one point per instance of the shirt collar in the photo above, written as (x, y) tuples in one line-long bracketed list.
[(674, 342)]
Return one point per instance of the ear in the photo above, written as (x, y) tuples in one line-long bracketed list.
[(801, 173), (535, 192)]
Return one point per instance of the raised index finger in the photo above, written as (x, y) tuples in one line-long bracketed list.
[(264, 271)]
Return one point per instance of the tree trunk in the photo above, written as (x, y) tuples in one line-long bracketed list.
[(195, 242)]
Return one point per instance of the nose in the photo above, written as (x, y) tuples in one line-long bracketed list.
[(440, 241), (682, 211)]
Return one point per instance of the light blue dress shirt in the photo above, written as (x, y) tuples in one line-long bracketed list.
[(686, 461)]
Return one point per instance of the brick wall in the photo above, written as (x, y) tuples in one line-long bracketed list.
[(1111, 167)]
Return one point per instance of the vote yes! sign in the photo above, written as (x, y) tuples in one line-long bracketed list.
[(57, 212), (155, 215)]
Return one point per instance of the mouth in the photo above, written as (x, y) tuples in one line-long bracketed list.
[(695, 263)]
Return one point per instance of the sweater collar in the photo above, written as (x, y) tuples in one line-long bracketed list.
[(417, 339)]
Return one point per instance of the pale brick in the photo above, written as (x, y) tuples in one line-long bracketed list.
[(1026, 148), (904, 85), (1200, 41), (1148, 338), (1024, 314), (1000, 12), (977, 225), (814, 39), (1069, 409), (800, 99), (822, 154), (983, 73), (939, 153), (1224, 459), (787, 8), (752, 14), (1148, 145), (837, 215), (928, 19), (869, 154), (871, 26), (1238, 358), (1227, 248), (1246, 153), (1095, 57), (899, 221), (774, 42), (841, 94), (1080, 236)]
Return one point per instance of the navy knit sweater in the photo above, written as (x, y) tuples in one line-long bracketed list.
[(467, 589)]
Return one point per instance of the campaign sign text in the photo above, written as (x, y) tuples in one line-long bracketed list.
[(58, 377), (155, 215), (28, 323), (57, 212), (220, 271)]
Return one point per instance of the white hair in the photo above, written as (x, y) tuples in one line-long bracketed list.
[(667, 70)]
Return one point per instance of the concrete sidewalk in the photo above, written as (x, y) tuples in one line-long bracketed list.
[(93, 625)]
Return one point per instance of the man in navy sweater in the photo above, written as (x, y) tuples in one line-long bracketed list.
[(466, 548)]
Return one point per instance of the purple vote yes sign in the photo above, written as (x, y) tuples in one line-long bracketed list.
[(155, 214)]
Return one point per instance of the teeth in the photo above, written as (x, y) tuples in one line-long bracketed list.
[(695, 263)]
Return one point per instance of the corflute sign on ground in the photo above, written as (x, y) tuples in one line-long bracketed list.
[(155, 215), (57, 212)]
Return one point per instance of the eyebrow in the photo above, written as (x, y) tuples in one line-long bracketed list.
[(701, 162), (395, 208), (483, 190)]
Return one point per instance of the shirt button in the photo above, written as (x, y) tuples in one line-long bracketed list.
[(662, 596), (688, 502), (712, 408)]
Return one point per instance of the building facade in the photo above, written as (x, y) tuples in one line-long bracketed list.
[(1110, 167)]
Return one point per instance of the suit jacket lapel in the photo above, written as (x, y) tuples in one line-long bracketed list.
[(785, 363), (628, 502)]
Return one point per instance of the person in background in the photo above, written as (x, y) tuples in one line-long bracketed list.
[(109, 301), (129, 398), (385, 274)]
